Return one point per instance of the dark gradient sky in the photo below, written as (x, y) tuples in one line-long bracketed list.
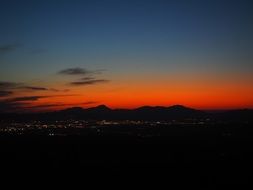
[(126, 53)]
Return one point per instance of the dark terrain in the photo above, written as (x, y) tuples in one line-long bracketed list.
[(212, 154)]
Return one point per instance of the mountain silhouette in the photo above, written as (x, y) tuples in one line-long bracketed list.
[(144, 113), (99, 108), (141, 113)]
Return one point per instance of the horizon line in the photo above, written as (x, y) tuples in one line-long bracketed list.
[(104, 105)]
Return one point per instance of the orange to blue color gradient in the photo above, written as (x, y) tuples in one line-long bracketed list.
[(125, 54)]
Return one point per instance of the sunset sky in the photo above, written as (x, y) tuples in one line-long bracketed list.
[(125, 54)]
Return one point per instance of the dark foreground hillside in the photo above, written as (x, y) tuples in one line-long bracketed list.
[(207, 156)]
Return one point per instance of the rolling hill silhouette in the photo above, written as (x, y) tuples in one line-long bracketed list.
[(141, 113), (144, 113)]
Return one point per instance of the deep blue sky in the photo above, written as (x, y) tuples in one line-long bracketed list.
[(105, 28)]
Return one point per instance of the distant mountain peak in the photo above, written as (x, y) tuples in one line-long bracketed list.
[(101, 107), (144, 107), (178, 106)]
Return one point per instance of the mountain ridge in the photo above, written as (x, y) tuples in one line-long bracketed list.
[(145, 113)]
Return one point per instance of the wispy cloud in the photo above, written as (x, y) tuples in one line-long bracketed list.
[(59, 90), (89, 76), (79, 71), (75, 71), (9, 85), (26, 98), (88, 82), (35, 88), (25, 102), (13, 85), (39, 88), (42, 106), (4, 93), (17, 87), (8, 47)]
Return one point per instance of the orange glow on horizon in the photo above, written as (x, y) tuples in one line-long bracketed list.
[(199, 92), (133, 96)]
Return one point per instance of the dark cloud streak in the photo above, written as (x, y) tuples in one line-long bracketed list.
[(88, 76), (4, 93), (9, 85), (80, 71), (6, 86), (34, 88), (34, 98), (8, 48), (75, 71), (26, 98), (59, 105), (89, 82)]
